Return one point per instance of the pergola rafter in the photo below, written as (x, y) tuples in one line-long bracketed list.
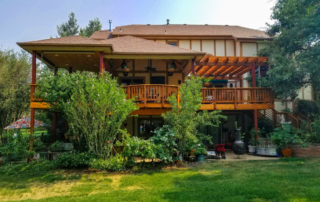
[(227, 67)]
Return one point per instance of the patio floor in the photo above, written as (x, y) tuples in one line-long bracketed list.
[(230, 156)]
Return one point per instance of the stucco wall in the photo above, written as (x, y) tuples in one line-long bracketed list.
[(184, 44), (208, 46), (230, 47), (195, 45), (220, 49), (249, 49)]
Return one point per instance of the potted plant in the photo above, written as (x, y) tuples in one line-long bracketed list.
[(254, 141), (200, 153), (57, 147), (284, 136)]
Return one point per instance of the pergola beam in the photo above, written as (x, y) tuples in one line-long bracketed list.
[(221, 64)]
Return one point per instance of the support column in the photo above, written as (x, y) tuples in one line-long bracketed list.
[(101, 62), (193, 67), (33, 81), (70, 70), (54, 119), (255, 113)]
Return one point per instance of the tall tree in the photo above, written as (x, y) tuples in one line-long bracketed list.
[(15, 75), (69, 28), (294, 53), (94, 25)]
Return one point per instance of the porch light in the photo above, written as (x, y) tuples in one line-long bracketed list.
[(126, 71), (124, 64), (173, 65)]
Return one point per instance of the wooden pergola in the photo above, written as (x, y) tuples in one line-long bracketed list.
[(228, 68)]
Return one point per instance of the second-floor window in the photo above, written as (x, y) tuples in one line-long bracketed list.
[(173, 43)]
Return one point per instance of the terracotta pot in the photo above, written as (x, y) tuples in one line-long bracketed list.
[(170, 70), (178, 162), (287, 152), (126, 70), (206, 84), (191, 151)]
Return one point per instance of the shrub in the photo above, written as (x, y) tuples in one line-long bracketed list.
[(284, 136), (74, 160), (184, 117), (200, 151), (18, 144), (113, 163), (307, 108), (94, 105)]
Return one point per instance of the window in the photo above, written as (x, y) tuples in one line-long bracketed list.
[(263, 71), (147, 126), (173, 43)]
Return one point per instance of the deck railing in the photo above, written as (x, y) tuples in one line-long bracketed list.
[(157, 93)]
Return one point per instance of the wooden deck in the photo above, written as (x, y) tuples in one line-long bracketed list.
[(152, 99)]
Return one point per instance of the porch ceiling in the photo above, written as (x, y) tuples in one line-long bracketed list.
[(227, 67)]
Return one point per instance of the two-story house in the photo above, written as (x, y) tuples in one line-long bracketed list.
[(158, 58)]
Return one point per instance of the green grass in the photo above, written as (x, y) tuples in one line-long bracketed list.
[(287, 180)]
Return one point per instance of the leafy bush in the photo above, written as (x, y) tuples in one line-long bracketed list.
[(94, 105), (18, 144), (309, 108), (311, 133), (284, 136), (200, 151), (74, 160), (113, 163), (148, 149), (265, 126), (184, 117)]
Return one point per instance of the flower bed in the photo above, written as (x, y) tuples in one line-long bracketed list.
[(311, 150)]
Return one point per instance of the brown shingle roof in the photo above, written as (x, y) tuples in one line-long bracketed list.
[(100, 35), (69, 40), (130, 45), (190, 30)]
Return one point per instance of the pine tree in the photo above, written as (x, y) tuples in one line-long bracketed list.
[(94, 25), (69, 28)]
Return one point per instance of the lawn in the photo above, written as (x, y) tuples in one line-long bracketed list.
[(286, 180)]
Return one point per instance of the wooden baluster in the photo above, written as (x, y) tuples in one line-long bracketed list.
[(145, 95), (235, 98), (162, 99)]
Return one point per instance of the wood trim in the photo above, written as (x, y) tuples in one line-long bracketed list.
[(235, 48), (190, 44), (241, 55), (201, 45), (215, 47), (225, 48)]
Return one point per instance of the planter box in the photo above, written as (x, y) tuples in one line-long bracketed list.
[(252, 149), (312, 150), (56, 149), (200, 158), (44, 155), (67, 146), (267, 151)]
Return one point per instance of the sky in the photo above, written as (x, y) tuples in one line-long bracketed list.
[(28, 20)]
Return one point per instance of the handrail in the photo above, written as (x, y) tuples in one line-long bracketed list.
[(159, 93)]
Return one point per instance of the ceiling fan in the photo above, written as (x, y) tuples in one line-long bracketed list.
[(150, 69)]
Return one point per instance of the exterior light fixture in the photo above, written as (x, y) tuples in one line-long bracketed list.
[(171, 69), (56, 55), (124, 64)]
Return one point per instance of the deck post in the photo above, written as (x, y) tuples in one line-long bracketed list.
[(54, 118), (254, 98), (101, 62), (70, 70), (33, 81), (193, 67)]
